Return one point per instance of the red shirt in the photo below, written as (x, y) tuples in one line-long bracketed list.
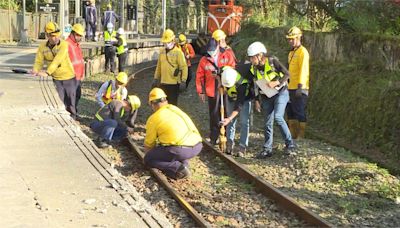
[(76, 57), (205, 79)]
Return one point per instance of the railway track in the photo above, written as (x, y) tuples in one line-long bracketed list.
[(241, 173)]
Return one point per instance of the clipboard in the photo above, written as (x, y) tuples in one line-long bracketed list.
[(269, 92)]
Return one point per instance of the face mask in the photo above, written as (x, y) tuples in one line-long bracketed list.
[(169, 45), (212, 53), (110, 30)]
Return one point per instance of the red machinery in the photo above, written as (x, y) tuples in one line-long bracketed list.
[(224, 15)]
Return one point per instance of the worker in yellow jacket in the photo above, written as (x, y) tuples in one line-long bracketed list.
[(55, 53), (299, 69), (171, 72), (171, 137)]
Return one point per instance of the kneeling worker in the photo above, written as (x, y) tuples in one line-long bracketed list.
[(178, 138), (115, 120), (113, 90)]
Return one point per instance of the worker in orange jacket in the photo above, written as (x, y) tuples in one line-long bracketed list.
[(189, 53), (208, 80), (76, 57)]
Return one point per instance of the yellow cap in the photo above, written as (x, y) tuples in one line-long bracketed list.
[(218, 35), (78, 29), (167, 36), (52, 28), (293, 33), (134, 101), (156, 94), (122, 77), (182, 38)]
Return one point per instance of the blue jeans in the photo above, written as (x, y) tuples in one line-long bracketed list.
[(274, 109), (109, 129), (244, 119)]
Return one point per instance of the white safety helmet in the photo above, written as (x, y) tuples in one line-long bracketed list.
[(256, 48), (110, 25), (228, 77), (121, 31)]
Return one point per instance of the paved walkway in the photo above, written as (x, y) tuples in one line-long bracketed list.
[(51, 174)]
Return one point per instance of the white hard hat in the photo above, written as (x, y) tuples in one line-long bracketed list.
[(121, 31), (256, 48), (110, 25), (228, 77)]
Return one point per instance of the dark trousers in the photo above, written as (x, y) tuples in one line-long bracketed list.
[(90, 30), (78, 93), (296, 108), (122, 61), (169, 158), (214, 113), (190, 76), (109, 129), (66, 90), (172, 92), (109, 52)]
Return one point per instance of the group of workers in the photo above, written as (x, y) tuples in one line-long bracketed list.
[(171, 136)]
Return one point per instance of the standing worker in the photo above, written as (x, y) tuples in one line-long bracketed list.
[(273, 107), (188, 52), (299, 68), (239, 96), (122, 49), (59, 66), (110, 39), (109, 16), (113, 121), (220, 37), (113, 90), (76, 57), (91, 21), (177, 137), (208, 81), (171, 72)]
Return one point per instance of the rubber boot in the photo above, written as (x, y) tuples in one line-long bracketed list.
[(302, 129), (294, 128)]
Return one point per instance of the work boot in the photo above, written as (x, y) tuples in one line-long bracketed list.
[(229, 147), (293, 127), (182, 172), (241, 152), (103, 143), (264, 154), (290, 150), (301, 130)]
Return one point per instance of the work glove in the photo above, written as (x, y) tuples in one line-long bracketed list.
[(182, 86), (298, 93), (156, 83)]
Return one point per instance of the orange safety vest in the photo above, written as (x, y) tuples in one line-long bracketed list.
[(76, 57)]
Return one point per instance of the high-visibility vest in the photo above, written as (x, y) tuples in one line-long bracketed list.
[(108, 38), (100, 118), (107, 97), (232, 92), (269, 72), (123, 47)]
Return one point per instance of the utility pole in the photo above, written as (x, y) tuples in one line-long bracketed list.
[(164, 13), (121, 14), (137, 17), (77, 10), (9, 21)]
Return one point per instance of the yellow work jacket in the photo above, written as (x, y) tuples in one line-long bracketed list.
[(59, 65), (170, 126), (299, 68), (168, 63)]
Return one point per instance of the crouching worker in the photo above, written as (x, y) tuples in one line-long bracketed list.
[(177, 137), (112, 90), (115, 120)]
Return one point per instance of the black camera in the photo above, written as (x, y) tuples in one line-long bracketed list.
[(177, 72)]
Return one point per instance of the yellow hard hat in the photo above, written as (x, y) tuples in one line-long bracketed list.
[(156, 94), (122, 77), (293, 33), (218, 35), (78, 29), (52, 28), (182, 38), (92, 1), (167, 36), (109, 5), (134, 101)]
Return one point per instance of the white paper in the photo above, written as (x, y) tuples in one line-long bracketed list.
[(269, 92)]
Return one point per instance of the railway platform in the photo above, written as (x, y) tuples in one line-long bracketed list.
[(51, 174)]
